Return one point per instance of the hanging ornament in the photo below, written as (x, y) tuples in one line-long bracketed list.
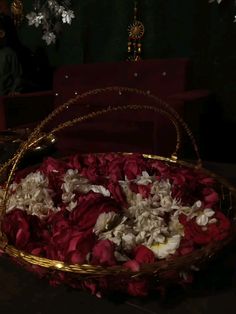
[(17, 11), (136, 32)]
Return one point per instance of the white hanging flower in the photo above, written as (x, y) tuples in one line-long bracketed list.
[(67, 16), (35, 19), (31, 17), (49, 37), (218, 1), (59, 9), (51, 3)]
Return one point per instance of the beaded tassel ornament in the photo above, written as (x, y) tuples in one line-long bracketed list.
[(136, 33)]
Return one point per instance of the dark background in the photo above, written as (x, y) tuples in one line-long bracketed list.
[(195, 29)]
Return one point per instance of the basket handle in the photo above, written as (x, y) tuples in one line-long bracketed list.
[(120, 90), (163, 108), (117, 89)]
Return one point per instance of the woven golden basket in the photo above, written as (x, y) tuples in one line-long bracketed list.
[(159, 269)]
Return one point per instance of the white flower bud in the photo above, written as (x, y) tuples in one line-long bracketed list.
[(202, 220)]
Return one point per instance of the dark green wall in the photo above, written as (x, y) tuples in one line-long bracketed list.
[(174, 28)]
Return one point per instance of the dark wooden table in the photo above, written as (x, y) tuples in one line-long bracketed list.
[(214, 289)]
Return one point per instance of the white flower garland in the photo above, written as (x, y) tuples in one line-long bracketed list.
[(50, 15)]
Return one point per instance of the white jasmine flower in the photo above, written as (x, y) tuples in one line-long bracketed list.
[(144, 179), (67, 16), (59, 9), (160, 238), (32, 195), (72, 205), (68, 197), (166, 202), (138, 206), (31, 17), (128, 241), (162, 250), (105, 221), (35, 19), (164, 188), (51, 3), (175, 204), (191, 211), (49, 37), (155, 237), (196, 206), (115, 235), (212, 221), (130, 196), (100, 189), (148, 222), (73, 182), (141, 237), (203, 218), (175, 226)]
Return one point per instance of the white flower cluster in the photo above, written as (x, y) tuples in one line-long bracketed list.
[(73, 182), (152, 221), (32, 195), (50, 15)]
